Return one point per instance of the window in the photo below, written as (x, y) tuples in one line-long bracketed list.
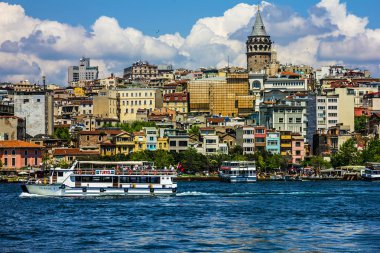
[(290, 120), (99, 138), (298, 144), (281, 120), (210, 141), (26, 101), (5, 161), (87, 138), (298, 120), (332, 107), (298, 152), (13, 152), (321, 107), (260, 140), (13, 162), (172, 143), (5, 152), (26, 161), (182, 143)]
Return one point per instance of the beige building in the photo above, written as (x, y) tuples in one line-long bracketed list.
[(178, 102), (133, 99), (105, 104), (221, 96), (140, 70), (124, 104), (346, 104)]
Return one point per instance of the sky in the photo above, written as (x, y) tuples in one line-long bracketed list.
[(44, 37)]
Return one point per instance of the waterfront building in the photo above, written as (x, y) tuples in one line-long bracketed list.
[(16, 154), (163, 143), (83, 72), (346, 104), (371, 102), (210, 141), (91, 140), (38, 111), (151, 134), (12, 128), (178, 139), (298, 149), (68, 155), (286, 144), (140, 70), (111, 82), (245, 137), (273, 142), (139, 139), (289, 114), (260, 136), (122, 143)]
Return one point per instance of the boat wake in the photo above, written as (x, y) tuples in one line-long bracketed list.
[(195, 193), (249, 194), (29, 195)]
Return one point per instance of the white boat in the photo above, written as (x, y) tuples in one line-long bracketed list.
[(98, 178), (372, 172), (238, 171)]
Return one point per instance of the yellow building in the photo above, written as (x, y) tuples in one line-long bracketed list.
[(163, 143), (133, 99), (221, 96), (79, 91), (120, 144), (286, 143), (139, 139)]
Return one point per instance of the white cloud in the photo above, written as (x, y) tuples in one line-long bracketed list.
[(30, 47)]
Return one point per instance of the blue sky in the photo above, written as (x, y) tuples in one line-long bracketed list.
[(43, 37), (166, 16)]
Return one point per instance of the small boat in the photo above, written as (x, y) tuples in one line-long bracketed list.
[(238, 172), (372, 172), (98, 178)]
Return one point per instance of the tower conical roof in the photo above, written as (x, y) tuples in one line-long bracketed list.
[(258, 28)]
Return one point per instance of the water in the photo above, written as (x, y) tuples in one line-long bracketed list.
[(203, 217)]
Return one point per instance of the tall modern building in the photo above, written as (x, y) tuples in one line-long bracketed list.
[(83, 72), (259, 47)]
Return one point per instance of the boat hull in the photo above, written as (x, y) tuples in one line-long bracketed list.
[(58, 190), (238, 179)]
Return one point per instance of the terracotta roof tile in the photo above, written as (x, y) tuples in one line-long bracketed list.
[(73, 151), (18, 144)]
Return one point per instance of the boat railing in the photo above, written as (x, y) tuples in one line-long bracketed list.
[(125, 172)]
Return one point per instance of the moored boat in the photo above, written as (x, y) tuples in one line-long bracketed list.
[(238, 172), (98, 178), (372, 172)]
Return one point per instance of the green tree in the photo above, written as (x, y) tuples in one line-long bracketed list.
[(347, 155), (145, 155), (193, 162), (361, 124), (260, 163), (372, 152), (62, 133), (276, 161), (237, 150), (163, 158), (194, 129)]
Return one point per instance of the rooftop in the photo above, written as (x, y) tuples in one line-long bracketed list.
[(18, 144)]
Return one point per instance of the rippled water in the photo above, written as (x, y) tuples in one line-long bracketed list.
[(203, 217)]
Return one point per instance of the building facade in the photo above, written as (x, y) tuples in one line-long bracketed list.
[(20, 154), (12, 128), (38, 111), (83, 72), (140, 70)]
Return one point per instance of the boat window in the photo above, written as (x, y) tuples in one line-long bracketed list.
[(143, 180), (60, 174)]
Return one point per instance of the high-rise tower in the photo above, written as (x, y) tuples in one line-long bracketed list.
[(259, 47)]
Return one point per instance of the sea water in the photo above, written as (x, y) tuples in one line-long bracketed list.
[(323, 216)]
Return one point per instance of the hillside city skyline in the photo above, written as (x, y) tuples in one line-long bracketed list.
[(46, 45)]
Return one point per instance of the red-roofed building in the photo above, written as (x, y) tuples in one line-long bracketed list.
[(177, 101), (90, 140), (18, 154), (70, 154)]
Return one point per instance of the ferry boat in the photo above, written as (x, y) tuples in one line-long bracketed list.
[(372, 172), (238, 172), (99, 178)]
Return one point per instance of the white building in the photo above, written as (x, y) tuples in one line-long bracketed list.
[(83, 72), (245, 137), (37, 110), (327, 111)]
